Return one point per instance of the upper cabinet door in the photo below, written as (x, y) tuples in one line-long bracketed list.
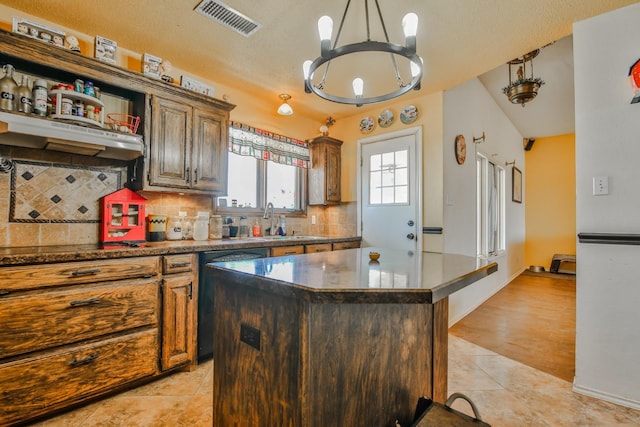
[(324, 172), (209, 161), (171, 130)]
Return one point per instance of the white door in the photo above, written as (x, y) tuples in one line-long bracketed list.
[(390, 191)]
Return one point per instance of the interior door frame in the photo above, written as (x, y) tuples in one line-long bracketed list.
[(416, 132)]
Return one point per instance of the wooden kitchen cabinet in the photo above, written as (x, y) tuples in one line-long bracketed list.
[(324, 172), (188, 146), (75, 330), (179, 310)]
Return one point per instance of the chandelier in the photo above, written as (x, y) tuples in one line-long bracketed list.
[(328, 53), (524, 87)]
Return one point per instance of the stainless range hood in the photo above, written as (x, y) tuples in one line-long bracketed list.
[(49, 134)]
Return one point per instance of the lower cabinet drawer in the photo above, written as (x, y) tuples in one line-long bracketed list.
[(287, 250), (39, 385), (320, 247), (338, 246), (54, 318)]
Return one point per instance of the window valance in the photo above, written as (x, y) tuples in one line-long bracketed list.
[(261, 144)]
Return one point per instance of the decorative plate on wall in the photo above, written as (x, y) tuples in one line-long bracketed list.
[(409, 114), (367, 124), (385, 119)]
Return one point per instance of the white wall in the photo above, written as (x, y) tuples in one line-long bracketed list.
[(607, 144), (470, 110)]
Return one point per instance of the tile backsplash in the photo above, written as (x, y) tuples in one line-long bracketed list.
[(53, 199)]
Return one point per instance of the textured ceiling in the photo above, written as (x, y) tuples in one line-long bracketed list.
[(458, 39)]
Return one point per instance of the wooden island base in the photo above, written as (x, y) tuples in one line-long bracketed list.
[(289, 355)]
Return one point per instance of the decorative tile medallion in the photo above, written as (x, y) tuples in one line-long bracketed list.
[(59, 193)]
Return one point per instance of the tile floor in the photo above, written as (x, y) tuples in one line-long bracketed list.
[(506, 392)]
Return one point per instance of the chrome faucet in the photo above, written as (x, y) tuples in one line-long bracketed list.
[(272, 224)]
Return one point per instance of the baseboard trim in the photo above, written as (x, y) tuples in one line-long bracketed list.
[(633, 404)]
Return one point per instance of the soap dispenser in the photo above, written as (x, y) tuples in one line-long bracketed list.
[(282, 229)]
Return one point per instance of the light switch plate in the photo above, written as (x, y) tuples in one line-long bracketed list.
[(600, 185)]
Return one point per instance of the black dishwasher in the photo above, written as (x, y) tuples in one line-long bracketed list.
[(205, 294)]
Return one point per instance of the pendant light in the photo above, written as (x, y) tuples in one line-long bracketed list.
[(285, 109), (327, 54)]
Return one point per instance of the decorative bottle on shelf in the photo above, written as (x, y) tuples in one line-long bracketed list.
[(25, 100), (40, 97), (8, 90)]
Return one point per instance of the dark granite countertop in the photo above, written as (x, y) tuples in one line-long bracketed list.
[(62, 253), (350, 276)]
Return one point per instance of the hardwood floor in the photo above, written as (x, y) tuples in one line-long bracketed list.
[(531, 320)]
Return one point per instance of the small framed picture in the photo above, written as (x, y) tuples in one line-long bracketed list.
[(516, 189), (196, 86), (151, 65), (106, 50)]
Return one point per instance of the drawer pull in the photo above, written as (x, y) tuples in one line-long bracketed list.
[(77, 362), (180, 264), (82, 302), (86, 272), (3, 292), (291, 253)]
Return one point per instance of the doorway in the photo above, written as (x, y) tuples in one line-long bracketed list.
[(390, 190)]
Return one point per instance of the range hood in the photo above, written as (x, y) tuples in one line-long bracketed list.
[(20, 130)]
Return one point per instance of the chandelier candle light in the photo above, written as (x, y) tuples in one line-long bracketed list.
[(327, 54)]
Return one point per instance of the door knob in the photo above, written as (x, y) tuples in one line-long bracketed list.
[(410, 223), (411, 236)]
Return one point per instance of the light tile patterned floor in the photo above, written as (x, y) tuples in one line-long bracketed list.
[(506, 392)]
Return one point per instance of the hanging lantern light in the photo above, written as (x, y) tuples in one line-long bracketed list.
[(523, 86)]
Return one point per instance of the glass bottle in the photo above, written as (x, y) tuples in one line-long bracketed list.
[(8, 90), (201, 227), (25, 97), (215, 227), (244, 227), (40, 97)]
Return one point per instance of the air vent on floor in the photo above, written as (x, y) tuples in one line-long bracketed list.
[(228, 17)]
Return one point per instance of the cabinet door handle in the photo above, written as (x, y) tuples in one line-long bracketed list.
[(191, 290), (195, 175), (85, 272), (188, 175), (179, 264), (82, 302), (77, 362)]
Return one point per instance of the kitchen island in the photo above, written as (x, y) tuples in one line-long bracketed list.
[(333, 339)]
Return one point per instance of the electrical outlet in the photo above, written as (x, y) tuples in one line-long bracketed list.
[(600, 185), (313, 220)]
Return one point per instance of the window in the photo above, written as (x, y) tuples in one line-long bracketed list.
[(254, 182), (388, 178), (490, 207)]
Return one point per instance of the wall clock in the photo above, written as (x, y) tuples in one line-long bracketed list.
[(460, 147)]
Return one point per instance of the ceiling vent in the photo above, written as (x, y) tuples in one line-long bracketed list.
[(228, 17)]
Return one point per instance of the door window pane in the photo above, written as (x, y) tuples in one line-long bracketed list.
[(388, 178)]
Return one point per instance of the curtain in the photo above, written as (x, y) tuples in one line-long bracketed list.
[(261, 144)]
